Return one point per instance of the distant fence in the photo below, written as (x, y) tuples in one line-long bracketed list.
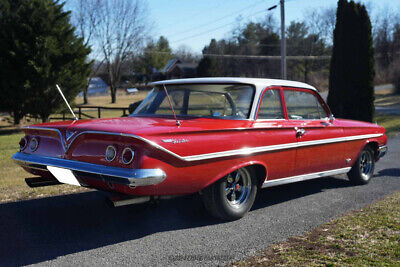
[(82, 112)]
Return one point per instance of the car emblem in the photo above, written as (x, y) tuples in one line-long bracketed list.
[(175, 141), (69, 134)]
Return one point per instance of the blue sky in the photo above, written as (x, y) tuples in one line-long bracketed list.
[(194, 23)]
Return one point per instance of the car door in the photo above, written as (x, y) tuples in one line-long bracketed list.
[(271, 130), (320, 147)]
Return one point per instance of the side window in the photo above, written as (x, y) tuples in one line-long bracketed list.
[(303, 106), (271, 106)]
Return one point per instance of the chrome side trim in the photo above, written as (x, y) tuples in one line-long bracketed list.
[(247, 151), (304, 177), (126, 176), (236, 152)]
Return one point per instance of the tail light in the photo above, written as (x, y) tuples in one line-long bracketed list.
[(23, 143), (127, 155), (33, 145), (111, 153)]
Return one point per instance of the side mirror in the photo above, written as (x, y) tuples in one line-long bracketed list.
[(331, 118)]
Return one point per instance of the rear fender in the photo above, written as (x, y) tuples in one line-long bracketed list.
[(238, 166)]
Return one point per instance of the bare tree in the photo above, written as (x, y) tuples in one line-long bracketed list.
[(185, 54), (85, 21), (322, 22), (120, 31)]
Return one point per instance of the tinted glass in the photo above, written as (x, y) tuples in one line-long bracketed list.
[(303, 106), (271, 106), (202, 100)]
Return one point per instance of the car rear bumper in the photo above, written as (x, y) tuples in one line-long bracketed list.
[(124, 176), (382, 150)]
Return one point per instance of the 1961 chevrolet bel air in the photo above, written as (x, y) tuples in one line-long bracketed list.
[(224, 138)]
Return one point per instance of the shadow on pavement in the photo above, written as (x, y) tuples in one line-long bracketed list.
[(43, 229), (389, 172)]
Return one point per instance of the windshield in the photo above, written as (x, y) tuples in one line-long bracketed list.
[(231, 101)]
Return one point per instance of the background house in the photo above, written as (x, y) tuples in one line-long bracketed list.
[(176, 69), (96, 87)]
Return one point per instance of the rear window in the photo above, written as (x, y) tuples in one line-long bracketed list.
[(232, 101)]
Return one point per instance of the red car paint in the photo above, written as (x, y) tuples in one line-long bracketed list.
[(198, 136)]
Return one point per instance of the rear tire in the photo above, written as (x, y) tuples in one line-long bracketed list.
[(231, 197), (363, 169)]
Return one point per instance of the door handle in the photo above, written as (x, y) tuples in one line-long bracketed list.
[(299, 132)]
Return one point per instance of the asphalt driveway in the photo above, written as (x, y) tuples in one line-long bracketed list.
[(81, 229)]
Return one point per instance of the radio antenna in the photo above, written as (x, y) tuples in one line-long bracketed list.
[(66, 102), (170, 104)]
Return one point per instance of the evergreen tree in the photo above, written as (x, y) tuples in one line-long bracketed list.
[(155, 57), (38, 49), (208, 67), (351, 90)]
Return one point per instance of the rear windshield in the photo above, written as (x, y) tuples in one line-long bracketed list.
[(231, 101)]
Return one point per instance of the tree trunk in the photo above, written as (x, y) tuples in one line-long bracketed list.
[(17, 117), (306, 71), (45, 118), (85, 100), (113, 95)]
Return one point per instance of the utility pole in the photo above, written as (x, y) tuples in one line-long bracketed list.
[(283, 41)]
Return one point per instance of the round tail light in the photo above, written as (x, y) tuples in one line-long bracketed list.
[(127, 155), (111, 153), (33, 145), (23, 143)]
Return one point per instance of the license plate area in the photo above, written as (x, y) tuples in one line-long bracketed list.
[(64, 176)]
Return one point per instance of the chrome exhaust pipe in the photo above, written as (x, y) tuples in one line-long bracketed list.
[(119, 200)]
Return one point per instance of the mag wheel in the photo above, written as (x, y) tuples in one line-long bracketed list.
[(363, 169), (231, 197)]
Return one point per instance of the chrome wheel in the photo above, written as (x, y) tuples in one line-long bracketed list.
[(238, 187), (363, 169), (366, 163)]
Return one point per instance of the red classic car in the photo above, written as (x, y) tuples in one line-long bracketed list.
[(224, 138)]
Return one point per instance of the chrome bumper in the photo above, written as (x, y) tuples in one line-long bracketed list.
[(382, 150), (124, 176)]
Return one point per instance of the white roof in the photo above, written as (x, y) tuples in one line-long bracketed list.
[(258, 82)]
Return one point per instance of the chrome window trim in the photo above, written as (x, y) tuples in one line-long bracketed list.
[(236, 152), (304, 177)]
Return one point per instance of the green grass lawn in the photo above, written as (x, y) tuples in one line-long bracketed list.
[(12, 184), (369, 237), (390, 122)]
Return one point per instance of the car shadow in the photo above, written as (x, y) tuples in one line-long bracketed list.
[(278, 194), (393, 172), (38, 230)]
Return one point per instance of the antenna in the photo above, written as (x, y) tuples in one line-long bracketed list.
[(66, 102), (170, 104)]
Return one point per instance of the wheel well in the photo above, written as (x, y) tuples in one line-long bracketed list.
[(374, 146), (260, 172)]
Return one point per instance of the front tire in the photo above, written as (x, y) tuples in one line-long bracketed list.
[(233, 196), (363, 169)]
